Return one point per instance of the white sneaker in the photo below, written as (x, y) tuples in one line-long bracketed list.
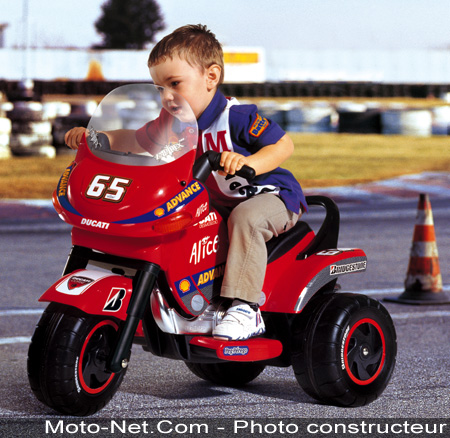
[(239, 323)]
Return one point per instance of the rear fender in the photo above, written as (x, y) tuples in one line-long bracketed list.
[(291, 291), (94, 292)]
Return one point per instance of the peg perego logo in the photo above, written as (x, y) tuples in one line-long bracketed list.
[(346, 269), (236, 351)]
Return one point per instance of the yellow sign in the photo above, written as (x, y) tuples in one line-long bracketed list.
[(241, 57)]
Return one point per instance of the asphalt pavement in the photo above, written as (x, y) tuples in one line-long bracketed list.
[(377, 217)]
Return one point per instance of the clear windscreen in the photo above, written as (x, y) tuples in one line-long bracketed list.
[(142, 125)]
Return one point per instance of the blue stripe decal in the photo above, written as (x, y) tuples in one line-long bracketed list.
[(181, 199), (64, 202), (61, 191)]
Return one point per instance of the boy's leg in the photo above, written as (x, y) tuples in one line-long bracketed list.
[(251, 224)]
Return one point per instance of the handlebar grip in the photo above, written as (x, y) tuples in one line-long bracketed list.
[(210, 160), (246, 172)]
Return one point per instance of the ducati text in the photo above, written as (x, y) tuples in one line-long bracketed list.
[(94, 223)]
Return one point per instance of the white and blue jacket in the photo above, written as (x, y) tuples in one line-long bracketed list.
[(226, 125)]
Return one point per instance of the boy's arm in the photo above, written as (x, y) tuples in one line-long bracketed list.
[(264, 160), (120, 139)]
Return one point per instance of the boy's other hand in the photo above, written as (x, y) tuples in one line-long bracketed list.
[(231, 162), (73, 137)]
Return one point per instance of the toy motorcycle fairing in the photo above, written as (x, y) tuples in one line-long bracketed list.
[(148, 256)]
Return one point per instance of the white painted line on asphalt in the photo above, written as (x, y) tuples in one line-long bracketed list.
[(399, 316), (391, 290), (394, 316), (426, 314), (15, 340), (19, 312)]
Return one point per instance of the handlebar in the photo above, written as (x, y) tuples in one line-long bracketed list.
[(210, 161)]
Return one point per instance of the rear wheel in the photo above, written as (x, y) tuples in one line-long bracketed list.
[(67, 360), (232, 374), (344, 349)]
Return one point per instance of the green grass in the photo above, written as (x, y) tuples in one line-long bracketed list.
[(342, 159), (318, 161)]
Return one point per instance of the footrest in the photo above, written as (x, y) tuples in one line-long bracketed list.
[(251, 350)]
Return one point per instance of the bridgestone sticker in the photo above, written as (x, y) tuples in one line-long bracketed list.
[(346, 269)]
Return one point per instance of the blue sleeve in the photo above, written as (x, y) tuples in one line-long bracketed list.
[(252, 131)]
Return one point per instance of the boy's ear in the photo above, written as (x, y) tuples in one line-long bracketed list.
[(213, 76)]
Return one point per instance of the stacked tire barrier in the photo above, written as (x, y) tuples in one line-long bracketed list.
[(31, 131), (407, 122), (358, 118), (74, 116), (33, 128), (5, 132), (441, 120), (316, 117)]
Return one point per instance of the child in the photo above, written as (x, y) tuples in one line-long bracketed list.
[(190, 62)]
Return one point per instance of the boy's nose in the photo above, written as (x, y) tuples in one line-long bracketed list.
[(167, 96)]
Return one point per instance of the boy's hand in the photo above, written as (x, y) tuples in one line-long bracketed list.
[(73, 137), (231, 162)]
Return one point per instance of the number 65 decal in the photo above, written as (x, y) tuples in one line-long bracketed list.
[(108, 188)]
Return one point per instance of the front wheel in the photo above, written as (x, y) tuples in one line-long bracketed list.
[(67, 360), (344, 349)]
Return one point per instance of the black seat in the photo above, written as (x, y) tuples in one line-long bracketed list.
[(278, 246)]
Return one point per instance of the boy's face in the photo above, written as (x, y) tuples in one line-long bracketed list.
[(196, 86)]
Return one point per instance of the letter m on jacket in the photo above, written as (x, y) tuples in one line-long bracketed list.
[(219, 145)]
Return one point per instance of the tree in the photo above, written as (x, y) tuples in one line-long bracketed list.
[(129, 24)]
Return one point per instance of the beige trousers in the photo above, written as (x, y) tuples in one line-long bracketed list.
[(250, 225)]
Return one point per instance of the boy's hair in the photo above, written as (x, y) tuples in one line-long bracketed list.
[(194, 43)]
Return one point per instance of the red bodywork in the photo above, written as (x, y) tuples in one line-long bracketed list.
[(162, 215), (192, 258)]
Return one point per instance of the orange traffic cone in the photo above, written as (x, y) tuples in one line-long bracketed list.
[(423, 284), (95, 72)]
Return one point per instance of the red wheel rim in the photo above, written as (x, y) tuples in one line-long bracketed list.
[(364, 351), (91, 374)]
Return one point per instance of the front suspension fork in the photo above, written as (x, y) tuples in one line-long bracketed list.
[(143, 284)]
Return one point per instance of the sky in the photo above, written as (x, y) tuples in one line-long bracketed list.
[(271, 24)]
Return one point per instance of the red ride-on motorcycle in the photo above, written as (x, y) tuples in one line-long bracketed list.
[(148, 256)]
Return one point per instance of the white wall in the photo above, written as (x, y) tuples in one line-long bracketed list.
[(400, 66), (408, 66)]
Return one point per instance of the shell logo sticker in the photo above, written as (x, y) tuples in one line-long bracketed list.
[(159, 212), (185, 286)]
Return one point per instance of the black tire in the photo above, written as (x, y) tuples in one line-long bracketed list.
[(233, 374), (66, 361), (26, 111), (344, 349)]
